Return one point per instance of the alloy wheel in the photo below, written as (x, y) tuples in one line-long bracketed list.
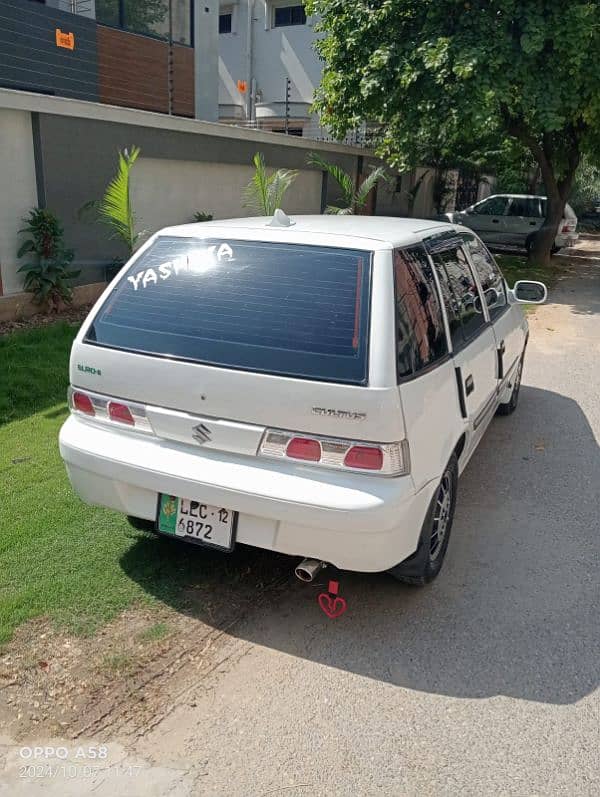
[(441, 518)]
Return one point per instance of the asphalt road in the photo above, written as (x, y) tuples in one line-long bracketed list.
[(483, 683)]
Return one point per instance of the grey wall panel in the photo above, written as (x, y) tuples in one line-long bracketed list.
[(80, 155), (30, 59)]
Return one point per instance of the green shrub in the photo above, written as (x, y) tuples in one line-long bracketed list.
[(200, 215), (46, 274)]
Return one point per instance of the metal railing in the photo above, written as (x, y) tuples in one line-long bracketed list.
[(302, 128)]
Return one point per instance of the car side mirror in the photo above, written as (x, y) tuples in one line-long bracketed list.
[(529, 292)]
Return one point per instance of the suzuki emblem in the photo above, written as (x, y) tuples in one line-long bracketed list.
[(201, 433)]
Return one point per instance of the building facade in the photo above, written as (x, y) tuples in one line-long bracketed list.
[(246, 62), (268, 69)]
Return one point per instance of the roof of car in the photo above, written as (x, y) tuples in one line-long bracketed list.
[(518, 196), (376, 232)]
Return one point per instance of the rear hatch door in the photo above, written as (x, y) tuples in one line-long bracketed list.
[(221, 339)]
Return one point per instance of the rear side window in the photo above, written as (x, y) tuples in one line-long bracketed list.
[(524, 206), (490, 276), (460, 293), (420, 335), (279, 308)]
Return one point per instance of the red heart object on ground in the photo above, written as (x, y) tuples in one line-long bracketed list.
[(333, 607)]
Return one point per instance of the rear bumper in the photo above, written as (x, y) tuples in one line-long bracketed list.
[(356, 522), (567, 239)]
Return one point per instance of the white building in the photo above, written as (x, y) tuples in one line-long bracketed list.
[(265, 52)]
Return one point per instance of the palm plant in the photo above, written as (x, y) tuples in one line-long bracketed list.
[(115, 209), (264, 193), (354, 199)]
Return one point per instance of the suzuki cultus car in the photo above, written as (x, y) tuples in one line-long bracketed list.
[(312, 386)]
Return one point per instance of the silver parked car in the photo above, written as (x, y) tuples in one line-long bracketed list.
[(511, 220)]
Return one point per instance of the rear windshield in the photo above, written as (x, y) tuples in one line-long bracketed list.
[(279, 308)]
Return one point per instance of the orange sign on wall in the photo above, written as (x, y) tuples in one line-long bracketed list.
[(66, 40)]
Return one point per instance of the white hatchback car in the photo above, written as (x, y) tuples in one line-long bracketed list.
[(312, 386)]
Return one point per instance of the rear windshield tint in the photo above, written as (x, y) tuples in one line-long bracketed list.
[(279, 308)]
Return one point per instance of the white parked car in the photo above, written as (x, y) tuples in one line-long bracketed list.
[(512, 220), (312, 386)]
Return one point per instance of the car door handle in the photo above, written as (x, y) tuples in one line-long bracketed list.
[(533, 223), (495, 221), (469, 384), (500, 352)]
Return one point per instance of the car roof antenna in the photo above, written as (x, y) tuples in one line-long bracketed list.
[(280, 219)]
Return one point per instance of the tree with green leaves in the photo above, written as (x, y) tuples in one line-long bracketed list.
[(586, 191), (450, 72), (149, 16), (264, 193), (353, 199)]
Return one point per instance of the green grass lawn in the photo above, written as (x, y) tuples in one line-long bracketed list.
[(75, 564), (516, 267)]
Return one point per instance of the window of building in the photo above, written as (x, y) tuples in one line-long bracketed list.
[(225, 22), (108, 12), (148, 17), (420, 335), (284, 16), (291, 131), (490, 276), (460, 294)]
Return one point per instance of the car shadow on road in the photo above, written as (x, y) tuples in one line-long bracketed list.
[(515, 609)]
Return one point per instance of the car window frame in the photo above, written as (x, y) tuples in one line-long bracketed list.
[(479, 286), (448, 355), (441, 243), (526, 199)]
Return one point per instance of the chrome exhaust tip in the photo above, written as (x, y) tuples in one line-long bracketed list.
[(308, 569)]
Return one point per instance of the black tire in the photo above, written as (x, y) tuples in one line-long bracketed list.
[(425, 564), (529, 242), (511, 405)]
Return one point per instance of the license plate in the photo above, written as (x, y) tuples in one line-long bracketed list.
[(194, 521)]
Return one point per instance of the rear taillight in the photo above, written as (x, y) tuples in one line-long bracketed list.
[(304, 448), (120, 413), (364, 457), (386, 459), (109, 410), (82, 403)]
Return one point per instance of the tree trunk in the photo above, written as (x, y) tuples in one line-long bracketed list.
[(543, 149), (543, 241), (557, 192)]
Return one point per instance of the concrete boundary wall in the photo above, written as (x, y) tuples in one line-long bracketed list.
[(60, 153), (18, 190), (217, 188)]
